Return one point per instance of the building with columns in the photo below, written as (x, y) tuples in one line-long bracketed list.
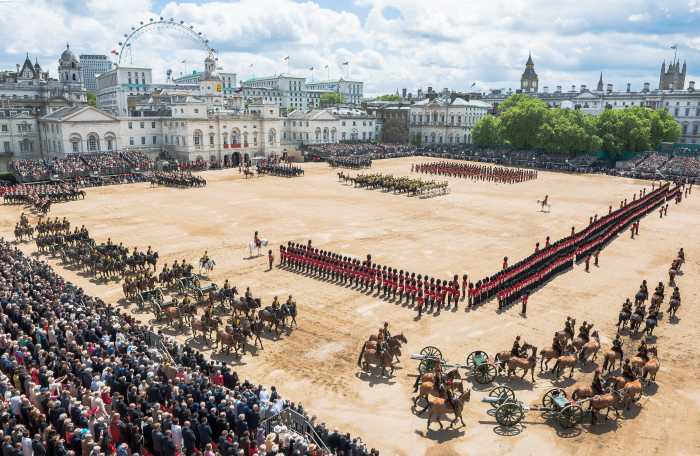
[(445, 121)]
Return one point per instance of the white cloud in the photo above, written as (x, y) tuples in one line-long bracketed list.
[(443, 43)]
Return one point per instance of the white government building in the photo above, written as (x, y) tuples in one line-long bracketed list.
[(202, 116), (445, 121)]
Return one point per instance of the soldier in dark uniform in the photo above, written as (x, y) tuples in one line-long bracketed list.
[(569, 327), (617, 345), (627, 371), (516, 350), (556, 346), (597, 384), (642, 351)]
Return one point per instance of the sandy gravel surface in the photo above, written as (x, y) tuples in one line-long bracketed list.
[(468, 231)]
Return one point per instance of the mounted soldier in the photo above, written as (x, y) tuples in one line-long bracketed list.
[(642, 351), (597, 384), (517, 351), (617, 345)]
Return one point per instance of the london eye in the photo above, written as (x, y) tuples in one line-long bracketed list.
[(160, 25)]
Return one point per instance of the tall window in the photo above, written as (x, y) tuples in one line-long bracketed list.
[(76, 146), (109, 144), (92, 143)]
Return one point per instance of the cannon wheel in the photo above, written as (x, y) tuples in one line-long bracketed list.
[(509, 414), (139, 301), (548, 398), (470, 358), (504, 393), (570, 416), (427, 365), (485, 373)]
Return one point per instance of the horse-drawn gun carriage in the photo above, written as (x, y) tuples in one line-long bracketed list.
[(152, 297), (191, 285), (478, 364), (509, 411)]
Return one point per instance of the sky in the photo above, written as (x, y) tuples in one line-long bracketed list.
[(390, 44)]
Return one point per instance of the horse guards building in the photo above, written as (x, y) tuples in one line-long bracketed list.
[(205, 116)]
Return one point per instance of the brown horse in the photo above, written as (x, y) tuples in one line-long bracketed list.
[(548, 353), (439, 407), (631, 390), (173, 316), (581, 391), (564, 362), (649, 368), (204, 327), (528, 364), (590, 348), (237, 340), (610, 357), (382, 359), (603, 401), (502, 358), (393, 342), (427, 387)]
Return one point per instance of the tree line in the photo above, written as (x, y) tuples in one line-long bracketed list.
[(525, 122)]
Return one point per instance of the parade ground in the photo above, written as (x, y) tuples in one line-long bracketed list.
[(468, 231)]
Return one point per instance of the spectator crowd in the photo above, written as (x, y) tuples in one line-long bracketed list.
[(78, 377)]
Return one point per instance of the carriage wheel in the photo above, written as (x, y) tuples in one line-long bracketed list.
[(509, 414), (421, 402), (426, 366), (504, 395), (485, 373), (570, 416), (470, 358), (548, 398), (431, 351)]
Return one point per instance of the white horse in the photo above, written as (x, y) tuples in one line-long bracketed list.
[(207, 264), (252, 246)]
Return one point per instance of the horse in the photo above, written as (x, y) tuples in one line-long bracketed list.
[(501, 358), (204, 327), (392, 342), (610, 357), (273, 317), (253, 246), (524, 364), (603, 401), (564, 362), (369, 356), (439, 406), (207, 264), (244, 305), (631, 390), (236, 339), (651, 367), (453, 381), (673, 305), (544, 204), (590, 348)]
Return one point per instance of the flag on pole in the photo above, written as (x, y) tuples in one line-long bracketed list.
[(326, 67), (346, 62), (286, 58), (311, 68), (674, 47), (473, 84), (114, 51)]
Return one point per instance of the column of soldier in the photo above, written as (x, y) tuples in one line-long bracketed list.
[(418, 290), (351, 161), (476, 172), (280, 170)]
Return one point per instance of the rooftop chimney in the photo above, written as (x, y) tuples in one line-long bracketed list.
[(558, 89), (691, 86), (629, 87), (573, 87), (403, 93), (583, 87), (610, 88), (646, 86)]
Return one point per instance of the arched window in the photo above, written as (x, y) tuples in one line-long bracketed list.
[(235, 137), (110, 139), (325, 135), (317, 132), (334, 134), (74, 76)]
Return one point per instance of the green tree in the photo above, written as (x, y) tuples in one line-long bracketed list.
[(625, 130), (487, 132), (91, 99), (331, 98), (664, 128), (569, 132), (522, 119), (389, 97)]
